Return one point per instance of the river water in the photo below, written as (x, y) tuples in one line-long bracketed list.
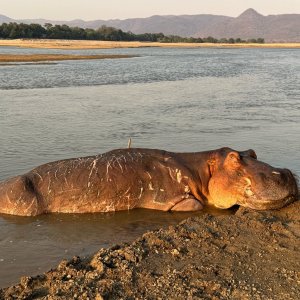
[(172, 99)]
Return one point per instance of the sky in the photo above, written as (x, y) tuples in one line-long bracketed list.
[(123, 9)]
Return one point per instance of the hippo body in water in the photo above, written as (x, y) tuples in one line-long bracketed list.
[(124, 179)]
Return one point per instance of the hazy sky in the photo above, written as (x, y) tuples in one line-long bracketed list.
[(122, 9)]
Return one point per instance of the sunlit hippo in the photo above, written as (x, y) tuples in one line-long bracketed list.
[(130, 178)]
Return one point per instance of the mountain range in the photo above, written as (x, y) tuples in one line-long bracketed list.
[(250, 24)]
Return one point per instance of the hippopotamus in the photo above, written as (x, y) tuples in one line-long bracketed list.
[(130, 178)]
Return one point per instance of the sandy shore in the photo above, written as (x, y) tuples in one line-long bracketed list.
[(249, 255), (75, 44), (5, 58)]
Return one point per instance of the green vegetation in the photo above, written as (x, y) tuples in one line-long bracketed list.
[(104, 33), (178, 39)]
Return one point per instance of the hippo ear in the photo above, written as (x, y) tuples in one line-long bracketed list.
[(250, 153)]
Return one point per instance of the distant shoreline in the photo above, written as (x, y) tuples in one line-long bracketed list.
[(87, 44)]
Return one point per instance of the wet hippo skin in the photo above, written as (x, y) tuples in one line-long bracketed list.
[(124, 179)]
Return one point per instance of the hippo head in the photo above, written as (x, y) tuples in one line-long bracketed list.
[(239, 178)]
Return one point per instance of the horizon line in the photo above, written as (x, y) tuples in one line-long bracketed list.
[(150, 16)]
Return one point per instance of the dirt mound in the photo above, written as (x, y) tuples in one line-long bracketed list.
[(249, 255)]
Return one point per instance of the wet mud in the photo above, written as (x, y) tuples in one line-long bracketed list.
[(248, 255)]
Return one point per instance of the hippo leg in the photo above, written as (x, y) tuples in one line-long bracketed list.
[(188, 204)]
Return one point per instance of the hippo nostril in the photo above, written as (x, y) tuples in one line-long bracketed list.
[(287, 179), (290, 173), (287, 174)]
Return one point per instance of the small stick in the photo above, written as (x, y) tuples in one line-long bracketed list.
[(129, 143)]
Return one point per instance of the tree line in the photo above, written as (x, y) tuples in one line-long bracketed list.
[(104, 33)]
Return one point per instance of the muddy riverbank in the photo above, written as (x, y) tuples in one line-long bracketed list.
[(249, 255)]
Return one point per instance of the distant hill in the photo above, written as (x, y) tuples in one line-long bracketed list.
[(250, 24), (4, 19)]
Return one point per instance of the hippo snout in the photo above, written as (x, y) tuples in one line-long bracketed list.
[(287, 179), (282, 177), (274, 189)]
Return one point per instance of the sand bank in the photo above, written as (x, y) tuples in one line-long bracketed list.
[(76, 44), (8, 58)]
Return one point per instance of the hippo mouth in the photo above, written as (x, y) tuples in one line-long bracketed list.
[(255, 201), (263, 204)]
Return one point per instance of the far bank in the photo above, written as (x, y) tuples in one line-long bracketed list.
[(84, 44)]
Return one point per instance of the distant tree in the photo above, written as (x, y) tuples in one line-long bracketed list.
[(260, 40), (13, 31), (90, 34), (252, 41), (78, 33), (37, 31), (48, 26), (210, 39), (106, 33), (223, 40)]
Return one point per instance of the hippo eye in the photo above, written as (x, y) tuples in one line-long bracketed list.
[(239, 174)]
